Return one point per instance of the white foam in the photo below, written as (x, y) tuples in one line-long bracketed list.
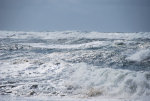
[(93, 81), (139, 55), (56, 75), (48, 98), (94, 44), (71, 34), (77, 79)]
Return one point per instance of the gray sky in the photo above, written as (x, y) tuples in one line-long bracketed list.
[(84, 15)]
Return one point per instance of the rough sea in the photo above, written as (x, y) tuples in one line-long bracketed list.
[(75, 64)]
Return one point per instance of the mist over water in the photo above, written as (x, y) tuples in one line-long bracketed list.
[(74, 63)]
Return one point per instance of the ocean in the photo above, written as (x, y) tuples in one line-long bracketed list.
[(75, 64)]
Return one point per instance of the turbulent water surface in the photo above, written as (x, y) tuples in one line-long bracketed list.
[(77, 64)]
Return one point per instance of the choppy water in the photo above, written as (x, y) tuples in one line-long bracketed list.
[(75, 63)]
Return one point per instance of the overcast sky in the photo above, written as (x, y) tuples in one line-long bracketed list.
[(84, 15)]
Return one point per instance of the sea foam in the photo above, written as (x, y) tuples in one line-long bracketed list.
[(75, 64)]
